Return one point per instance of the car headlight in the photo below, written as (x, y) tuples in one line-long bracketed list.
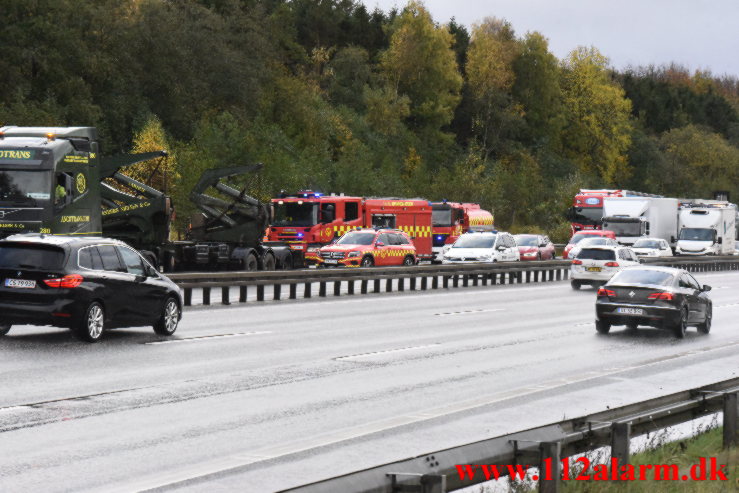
[(353, 254)]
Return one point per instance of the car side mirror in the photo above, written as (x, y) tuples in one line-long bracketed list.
[(706, 287), (140, 278), (720, 240), (379, 244)]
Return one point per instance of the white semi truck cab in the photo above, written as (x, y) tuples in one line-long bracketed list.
[(631, 218), (707, 229)]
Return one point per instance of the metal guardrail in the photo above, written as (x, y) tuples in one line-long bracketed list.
[(419, 277), (436, 472)]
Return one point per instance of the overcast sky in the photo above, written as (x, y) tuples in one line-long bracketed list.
[(698, 34)]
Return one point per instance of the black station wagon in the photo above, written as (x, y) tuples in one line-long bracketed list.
[(84, 284)]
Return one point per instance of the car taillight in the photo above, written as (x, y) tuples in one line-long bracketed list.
[(605, 292), (577, 262), (69, 281), (660, 296), (611, 264)]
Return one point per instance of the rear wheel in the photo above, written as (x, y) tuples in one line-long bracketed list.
[(4, 329), (367, 262), (575, 285), (705, 327), (602, 327), (167, 323), (682, 325), (250, 263), (269, 262), (408, 261), (91, 327), (632, 326)]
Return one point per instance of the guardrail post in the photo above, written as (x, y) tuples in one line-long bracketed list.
[(484, 279), (433, 483), (465, 280), (188, 296), (277, 292), (455, 281), (731, 420), (427, 483), (388, 285), (337, 288), (225, 296), (493, 278), (435, 282), (620, 439), (549, 466), (445, 282), (536, 276), (519, 277), (306, 290), (206, 296), (350, 287), (377, 286), (528, 276), (260, 292), (559, 274), (401, 284), (363, 286), (293, 291), (242, 294), (322, 289), (424, 283), (413, 283)]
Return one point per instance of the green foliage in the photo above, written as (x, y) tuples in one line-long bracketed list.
[(331, 96)]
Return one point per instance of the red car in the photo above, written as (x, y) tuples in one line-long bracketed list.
[(535, 247), (369, 247), (590, 233)]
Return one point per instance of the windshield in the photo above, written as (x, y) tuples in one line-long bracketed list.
[(593, 254), (39, 257), (638, 276), (356, 238), (526, 240), (441, 217), (579, 237), (587, 215), (294, 214), (624, 229), (24, 187), (595, 241), (647, 244), (697, 234), (474, 241)]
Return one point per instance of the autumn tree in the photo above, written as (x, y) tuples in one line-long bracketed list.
[(597, 131)]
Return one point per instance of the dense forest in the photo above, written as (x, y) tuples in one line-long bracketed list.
[(333, 97)]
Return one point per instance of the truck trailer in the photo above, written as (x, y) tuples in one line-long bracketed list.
[(631, 218)]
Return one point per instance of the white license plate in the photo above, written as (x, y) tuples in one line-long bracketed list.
[(297, 247), (330, 261), (631, 311), (20, 283), (593, 269)]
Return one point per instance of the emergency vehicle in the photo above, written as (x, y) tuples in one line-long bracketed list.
[(309, 220), (452, 219), (369, 247), (587, 207)]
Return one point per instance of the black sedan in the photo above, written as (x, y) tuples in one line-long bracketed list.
[(84, 284), (661, 297)]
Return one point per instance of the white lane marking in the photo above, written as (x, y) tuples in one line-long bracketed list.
[(467, 312), (388, 351), (237, 461), (207, 338)]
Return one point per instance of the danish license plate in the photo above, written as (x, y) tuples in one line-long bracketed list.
[(593, 269), (631, 311), (330, 261), (20, 283)]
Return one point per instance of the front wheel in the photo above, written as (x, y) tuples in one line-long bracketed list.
[(167, 323), (91, 327), (575, 285), (602, 327), (4, 329), (705, 327), (367, 262), (408, 261)]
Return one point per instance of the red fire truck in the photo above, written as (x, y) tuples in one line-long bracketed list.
[(451, 219), (308, 220), (587, 207)]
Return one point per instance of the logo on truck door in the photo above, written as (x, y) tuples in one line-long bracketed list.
[(81, 183)]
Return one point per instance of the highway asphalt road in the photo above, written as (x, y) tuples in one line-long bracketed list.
[(264, 397)]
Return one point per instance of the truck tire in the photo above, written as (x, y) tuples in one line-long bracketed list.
[(286, 263), (4, 329), (268, 262), (250, 263)]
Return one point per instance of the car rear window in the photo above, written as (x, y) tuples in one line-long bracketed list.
[(596, 254), (639, 276), (41, 257)]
